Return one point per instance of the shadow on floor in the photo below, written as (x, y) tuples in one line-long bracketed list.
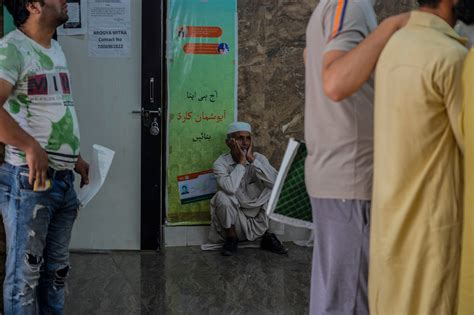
[(186, 280)]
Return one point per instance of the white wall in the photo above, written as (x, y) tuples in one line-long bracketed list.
[(105, 92)]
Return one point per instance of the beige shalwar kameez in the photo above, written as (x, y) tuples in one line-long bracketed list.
[(417, 199)]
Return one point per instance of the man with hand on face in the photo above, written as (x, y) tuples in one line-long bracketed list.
[(245, 180), (417, 210), (39, 126)]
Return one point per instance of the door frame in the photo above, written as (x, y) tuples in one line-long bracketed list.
[(153, 148)]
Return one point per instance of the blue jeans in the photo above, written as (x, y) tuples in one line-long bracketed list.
[(38, 229)]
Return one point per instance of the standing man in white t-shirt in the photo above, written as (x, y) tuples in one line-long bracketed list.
[(39, 126), (340, 59)]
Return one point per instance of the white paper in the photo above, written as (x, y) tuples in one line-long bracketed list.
[(77, 23), (109, 28), (74, 12), (109, 13), (109, 42), (100, 163)]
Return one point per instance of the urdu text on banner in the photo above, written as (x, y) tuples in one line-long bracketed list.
[(202, 69)]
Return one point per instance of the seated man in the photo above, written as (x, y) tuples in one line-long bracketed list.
[(245, 180)]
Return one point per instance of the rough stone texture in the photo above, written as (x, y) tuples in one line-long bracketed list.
[(271, 69)]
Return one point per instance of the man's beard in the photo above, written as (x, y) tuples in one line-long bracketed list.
[(464, 11), (62, 19), (55, 18)]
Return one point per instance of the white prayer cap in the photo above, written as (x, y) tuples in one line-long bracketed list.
[(239, 126)]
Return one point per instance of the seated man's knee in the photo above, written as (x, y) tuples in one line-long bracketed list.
[(223, 200)]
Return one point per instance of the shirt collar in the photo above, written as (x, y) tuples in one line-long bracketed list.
[(229, 159), (433, 21)]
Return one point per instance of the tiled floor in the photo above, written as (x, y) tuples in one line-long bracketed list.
[(186, 280)]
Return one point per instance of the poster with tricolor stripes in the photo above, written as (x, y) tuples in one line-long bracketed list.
[(202, 69)]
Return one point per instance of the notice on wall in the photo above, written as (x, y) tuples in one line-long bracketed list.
[(109, 28), (77, 23), (109, 42)]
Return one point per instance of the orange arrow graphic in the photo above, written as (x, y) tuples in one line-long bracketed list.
[(203, 31), (201, 49)]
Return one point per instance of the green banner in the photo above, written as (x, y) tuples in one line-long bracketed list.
[(202, 69)]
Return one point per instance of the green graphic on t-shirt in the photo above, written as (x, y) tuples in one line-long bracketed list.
[(9, 56), (63, 133), (14, 106), (44, 60), (24, 100), (34, 104), (22, 155)]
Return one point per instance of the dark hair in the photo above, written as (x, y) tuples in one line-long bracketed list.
[(18, 10), (465, 11), (429, 3)]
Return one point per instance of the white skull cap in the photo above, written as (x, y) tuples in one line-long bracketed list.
[(239, 126)]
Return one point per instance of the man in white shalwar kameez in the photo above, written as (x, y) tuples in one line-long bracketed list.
[(245, 180)]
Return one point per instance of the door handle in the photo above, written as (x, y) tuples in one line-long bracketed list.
[(147, 112), (152, 90)]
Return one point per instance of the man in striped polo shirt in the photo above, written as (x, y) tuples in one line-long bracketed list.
[(340, 59)]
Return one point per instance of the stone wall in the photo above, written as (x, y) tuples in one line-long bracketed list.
[(271, 69)]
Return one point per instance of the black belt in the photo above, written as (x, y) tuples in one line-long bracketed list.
[(58, 175)]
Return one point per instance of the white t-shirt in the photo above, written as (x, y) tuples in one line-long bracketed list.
[(41, 102)]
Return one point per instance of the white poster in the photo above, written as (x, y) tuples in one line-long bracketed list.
[(77, 23), (109, 42), (109, 28)]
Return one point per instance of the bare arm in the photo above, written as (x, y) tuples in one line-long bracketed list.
[(11, 133), (344, 73)]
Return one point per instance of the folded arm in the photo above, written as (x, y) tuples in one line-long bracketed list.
[(344, 72)]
